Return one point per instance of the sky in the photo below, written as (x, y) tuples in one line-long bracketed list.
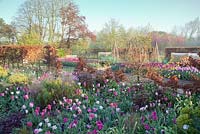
[(162, 15)]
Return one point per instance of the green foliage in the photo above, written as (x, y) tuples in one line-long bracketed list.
[(3, 72), (115, 67), (53, 84), (23, 130), (107, 60), (189, 116), (80, 47), (112, 33), (140, 40), (18, 78), (60, 52), (7, 32), (158, 121), (69, 64), (53, 91), (30, 39)]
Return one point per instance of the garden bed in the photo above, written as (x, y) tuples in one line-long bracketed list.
[(92, 101)]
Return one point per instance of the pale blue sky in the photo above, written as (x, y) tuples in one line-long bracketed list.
[(161, 14)]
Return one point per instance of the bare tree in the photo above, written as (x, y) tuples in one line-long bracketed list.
[(40, 17), (73, 25)]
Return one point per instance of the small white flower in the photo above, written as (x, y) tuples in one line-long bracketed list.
[(24, 107), (40, 130), (189, 93), (84, 107), (54, 127), (178, 95), (16, 97), (40, 124), (156, 93), (60, 102), (12, 93), (97, 102), (26, 111), (74, 115), (109, 90), (93, 89), (17, 92), (142, 108), (185, 126), (79, 103), (76, 100), (167, 111), (82, 95), (46, 120), (79, 83), (49, 124), (100, 107), (162, 131), (123, 84), (117, 109)]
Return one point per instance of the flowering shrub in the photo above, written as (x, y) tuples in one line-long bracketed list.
[(184, 73), (53, 90), (18, 78), (3, 72)]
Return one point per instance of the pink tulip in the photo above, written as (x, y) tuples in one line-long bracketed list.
[(2, 94), (12, 97), (73, 124), (31, 104), (89, 110), (91, 116), (113, 105), (98, 85), (36, 131), (154, 115), (37, 110), (99, 124), (26, 97), (115, 93), (49, 107), (29, 124), (93, 132), (65, 120), (68, 101), (48, 132)]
